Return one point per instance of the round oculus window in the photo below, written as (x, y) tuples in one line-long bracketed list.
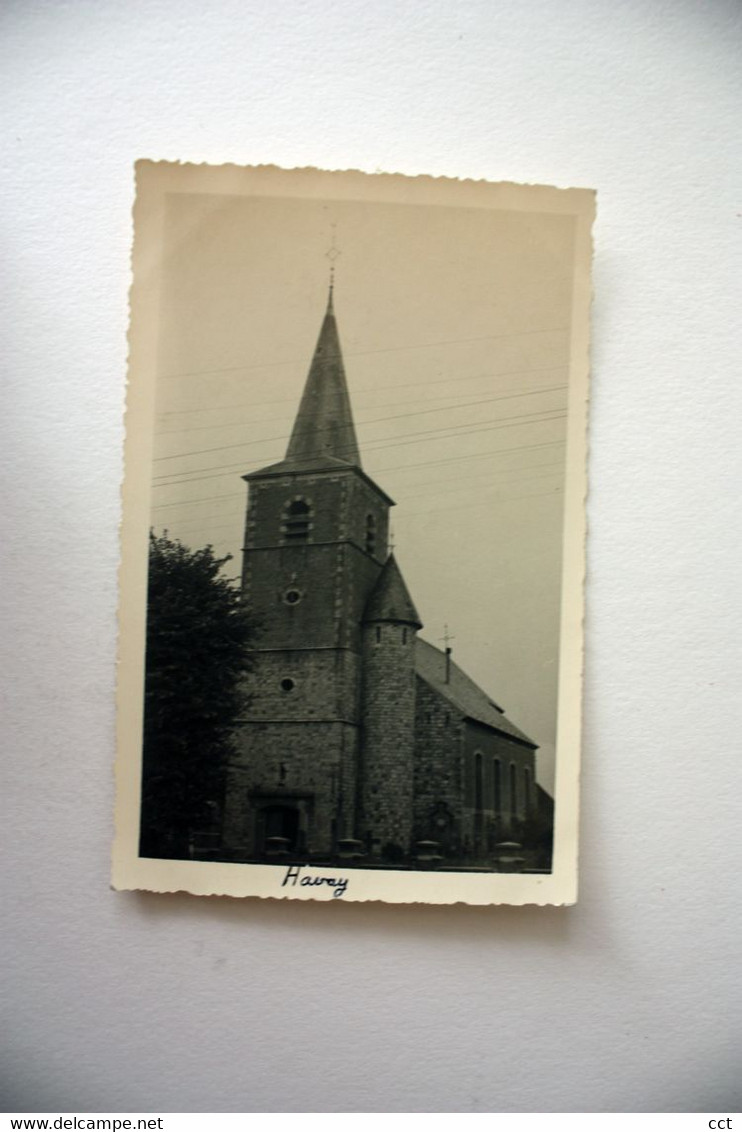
[(287, 684), (292, 596)]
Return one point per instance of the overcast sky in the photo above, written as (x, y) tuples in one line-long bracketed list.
[(454, 324)]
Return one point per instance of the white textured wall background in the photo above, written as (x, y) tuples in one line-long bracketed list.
[(626, 1002)]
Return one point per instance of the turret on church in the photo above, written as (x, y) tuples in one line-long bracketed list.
[(361, 740)]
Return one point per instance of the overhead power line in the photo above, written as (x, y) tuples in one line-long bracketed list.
[(482, 491), (364, 353), (445, 433), (471, 456), (398, 467), (367, 389), (486, 502), (190, 503), (199, 526), (491, 477), (374, 420)]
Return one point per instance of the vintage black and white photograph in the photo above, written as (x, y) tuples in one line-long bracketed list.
[(353, 540)]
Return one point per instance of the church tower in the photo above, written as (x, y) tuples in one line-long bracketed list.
[(315, 544), (390, 625)]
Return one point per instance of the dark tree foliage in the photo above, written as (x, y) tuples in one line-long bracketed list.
[(198, 640)]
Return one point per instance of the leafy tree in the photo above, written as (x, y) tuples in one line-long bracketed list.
[(198, 638)]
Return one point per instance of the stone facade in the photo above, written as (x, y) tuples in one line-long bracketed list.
[(361, 739), (439, 770), (388, 736)]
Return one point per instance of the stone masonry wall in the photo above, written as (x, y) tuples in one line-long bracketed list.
[(299, 743), (304, 684), (388, 736), (312, 593), (298, 764), (491, 816), (439, 769)]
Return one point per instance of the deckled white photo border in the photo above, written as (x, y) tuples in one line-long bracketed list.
[(154, 181)]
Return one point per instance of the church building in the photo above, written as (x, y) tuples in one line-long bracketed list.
[(362, 741)]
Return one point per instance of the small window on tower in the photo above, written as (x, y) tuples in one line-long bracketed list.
[(296, 521), (370, 534)]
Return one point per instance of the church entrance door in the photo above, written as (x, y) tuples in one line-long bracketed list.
[(281, 822)]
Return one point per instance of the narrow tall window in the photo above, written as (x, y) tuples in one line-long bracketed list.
[(370, 534), (513, 791), (478, 781), (296, 521), (378, 634), (404, 636), (527, 790), (496, 786)]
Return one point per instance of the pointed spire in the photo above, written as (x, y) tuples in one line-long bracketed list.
[(324, 423), (390, 599)]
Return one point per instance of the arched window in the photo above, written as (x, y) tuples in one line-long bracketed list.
[(513, 791), (370, 534), (478, 781), (527, 790), (497, 786), (296, 521)]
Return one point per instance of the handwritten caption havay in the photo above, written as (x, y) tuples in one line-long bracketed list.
[(294, 876)]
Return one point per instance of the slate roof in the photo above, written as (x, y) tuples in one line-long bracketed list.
[(301, 464), (390, 599), (462, 693), (324, 423)]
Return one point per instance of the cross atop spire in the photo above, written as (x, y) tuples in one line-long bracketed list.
[(332, 254), (446, 638)]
